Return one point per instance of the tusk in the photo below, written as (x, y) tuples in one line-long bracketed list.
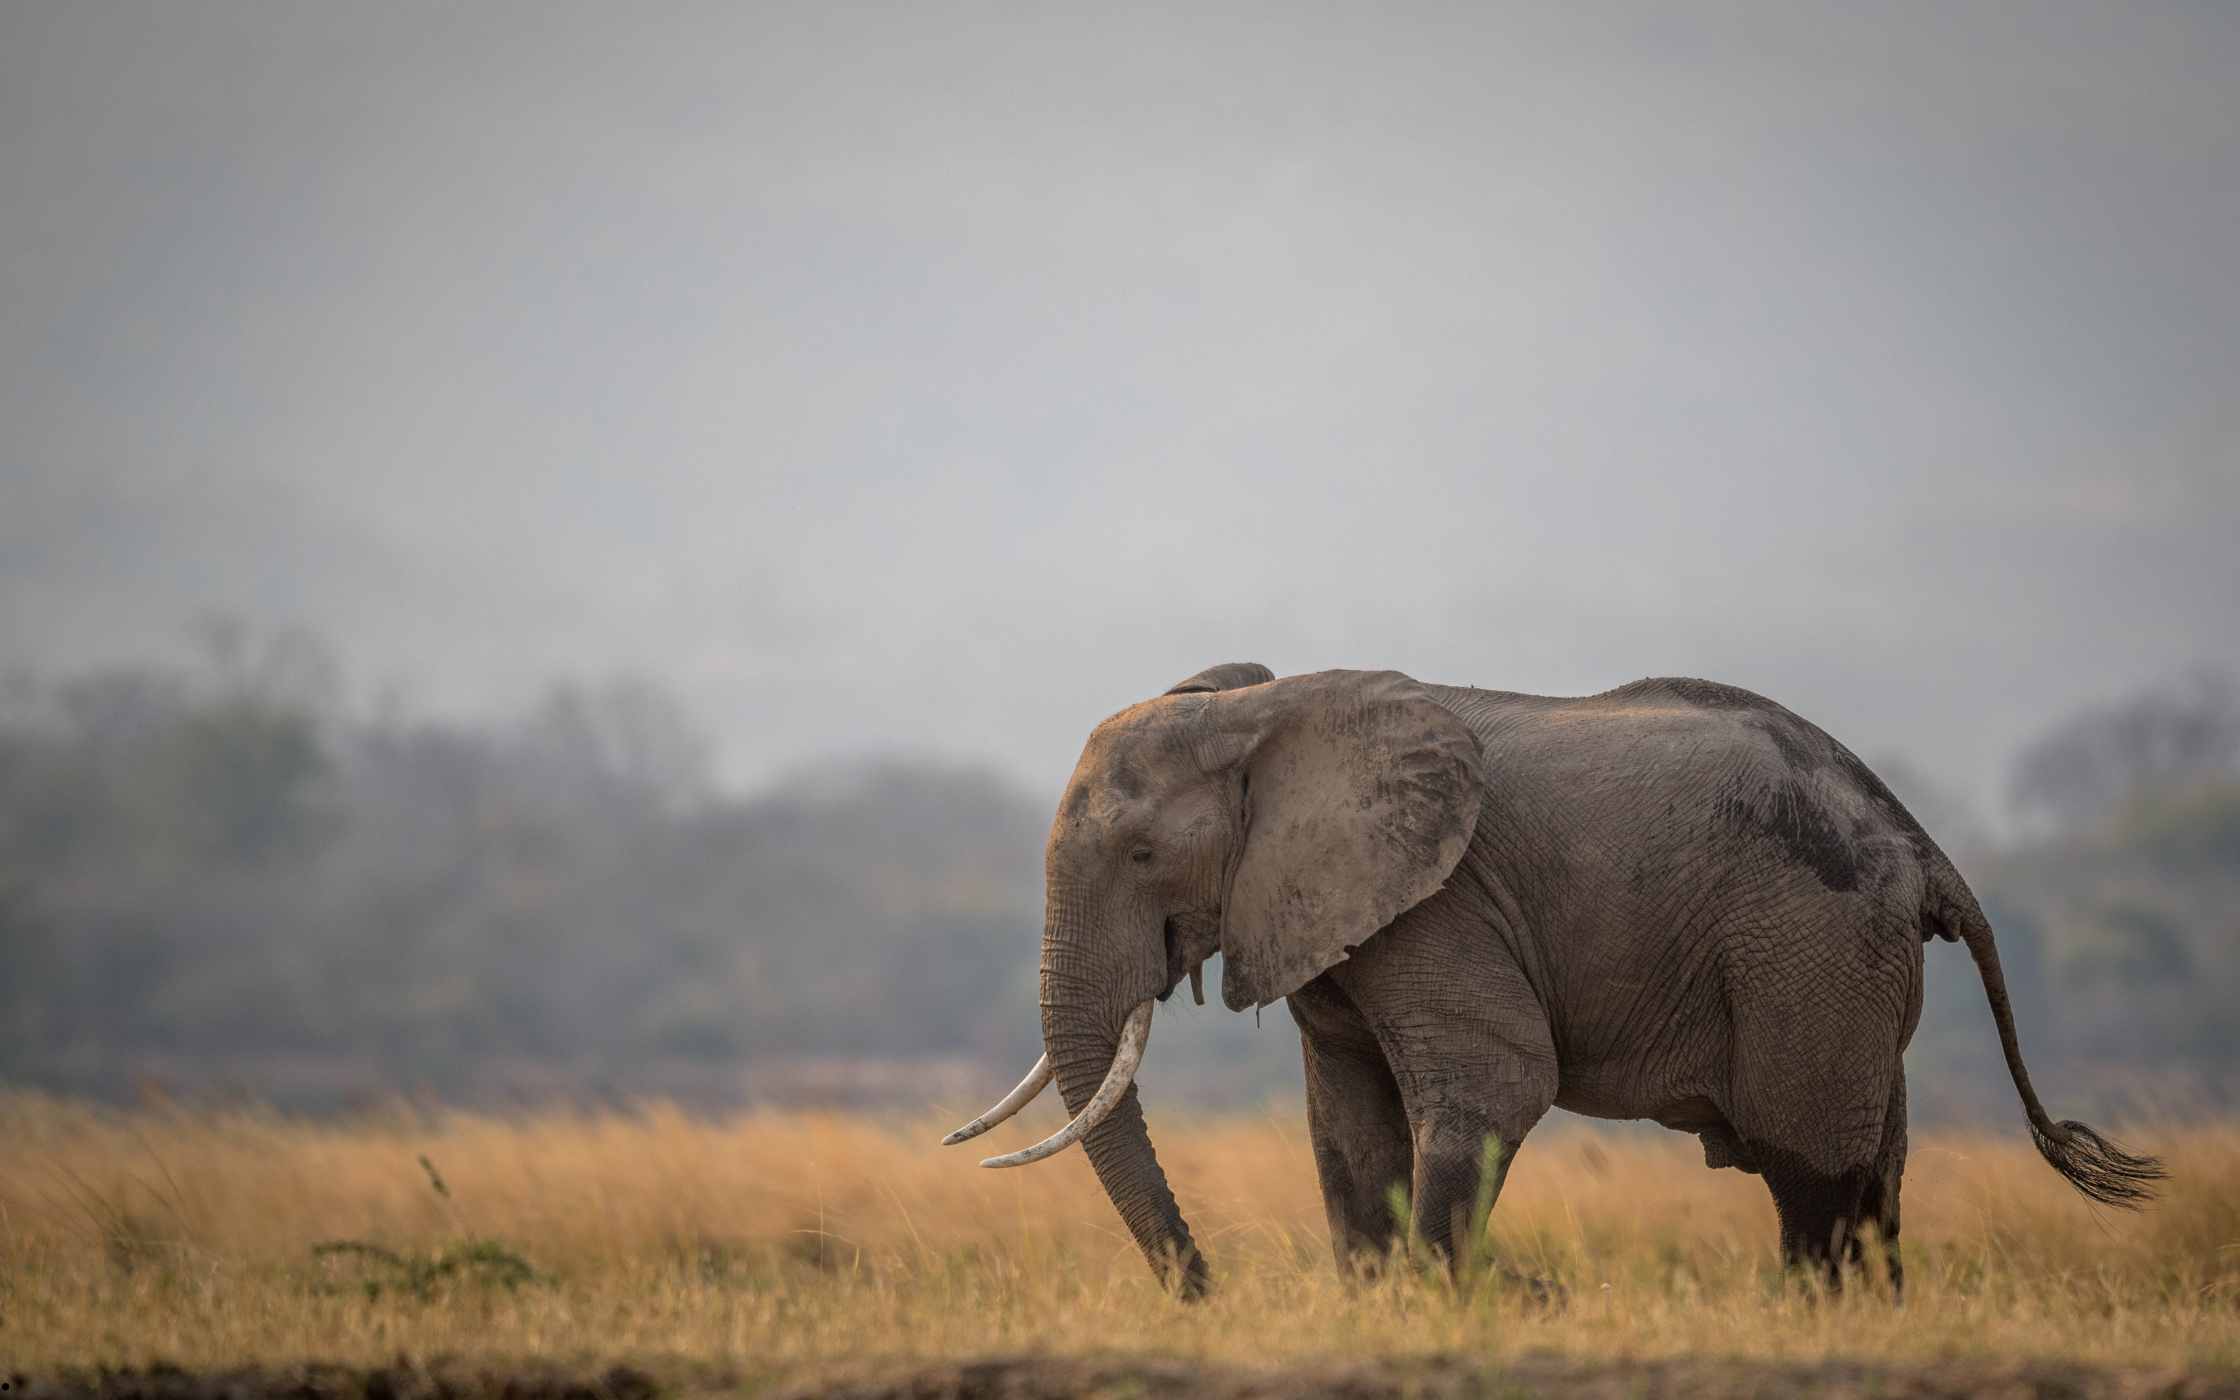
[(1036, 1081), (1133, 1037), (1198, 983)]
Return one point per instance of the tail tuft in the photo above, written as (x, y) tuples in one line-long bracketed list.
[(2097, 1167)]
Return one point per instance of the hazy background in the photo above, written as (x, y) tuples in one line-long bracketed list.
[(568, 548)]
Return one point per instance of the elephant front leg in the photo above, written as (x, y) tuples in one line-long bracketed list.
[(1473, 1057), (1362, 1151), (1455, 1150), (1451, 1191)]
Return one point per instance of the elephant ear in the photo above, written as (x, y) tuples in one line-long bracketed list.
[(1360, 794), (1229, 675)]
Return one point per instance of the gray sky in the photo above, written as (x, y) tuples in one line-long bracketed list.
[(946, 377)]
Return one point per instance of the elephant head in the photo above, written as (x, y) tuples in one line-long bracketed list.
[(1278, 822)]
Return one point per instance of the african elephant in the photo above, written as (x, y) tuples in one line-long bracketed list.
[(1675, 900)]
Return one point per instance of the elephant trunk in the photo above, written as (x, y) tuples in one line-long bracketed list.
[(1084, 1007)]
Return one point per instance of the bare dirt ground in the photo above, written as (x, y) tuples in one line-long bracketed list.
[(1033, 1378)]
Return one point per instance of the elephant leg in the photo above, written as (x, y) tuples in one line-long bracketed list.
[(1819, 1217), (1817, 1070), (1453, 1149), (1360, 1130), (1470, 1051), (1822, 1188), (1880, 1203)]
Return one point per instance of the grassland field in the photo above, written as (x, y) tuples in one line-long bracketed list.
[(173, 1252)]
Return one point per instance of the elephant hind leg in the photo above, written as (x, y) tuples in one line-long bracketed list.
[(1823, 1212), (1817, 1083), (1820, 1214), (1828, 1175), (1879, 1207)]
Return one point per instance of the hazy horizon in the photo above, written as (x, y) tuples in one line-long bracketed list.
[(944, 378)]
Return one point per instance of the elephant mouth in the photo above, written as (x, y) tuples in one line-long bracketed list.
[(1190, 940)]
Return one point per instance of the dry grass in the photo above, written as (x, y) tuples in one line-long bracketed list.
[(773, 1241)]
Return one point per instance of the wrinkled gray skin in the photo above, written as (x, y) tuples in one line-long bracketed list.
[(1675, 901)]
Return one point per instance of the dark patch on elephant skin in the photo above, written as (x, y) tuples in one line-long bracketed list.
[(1804, 826), (1792, 818)]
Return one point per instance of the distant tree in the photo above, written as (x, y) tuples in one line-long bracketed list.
[(2190, 828), (2077, 777), (623, 737), (225, 765), (27, 968), (2127, 944), (285, 667), (246, 778)]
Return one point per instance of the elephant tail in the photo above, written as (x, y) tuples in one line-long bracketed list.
[(2097, 1167)]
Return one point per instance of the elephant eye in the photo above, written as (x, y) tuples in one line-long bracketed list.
[(1141, 855)]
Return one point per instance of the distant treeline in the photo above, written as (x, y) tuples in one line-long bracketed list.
[(219, 875), (2117, 911)]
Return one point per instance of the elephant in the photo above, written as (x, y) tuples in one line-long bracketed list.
[(1675, 901)]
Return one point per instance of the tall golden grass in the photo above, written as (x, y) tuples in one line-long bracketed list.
[(766, 1241)]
